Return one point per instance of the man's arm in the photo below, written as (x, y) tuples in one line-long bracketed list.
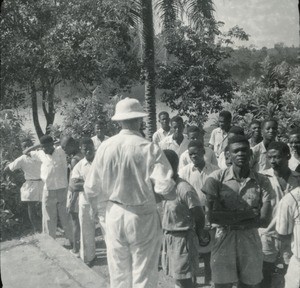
[(32, 148)]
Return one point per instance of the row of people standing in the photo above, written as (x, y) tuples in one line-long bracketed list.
[(273, 160)]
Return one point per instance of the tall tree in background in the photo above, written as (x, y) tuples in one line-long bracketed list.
[(44, 43)]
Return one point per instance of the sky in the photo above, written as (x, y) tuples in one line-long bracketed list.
[(267, 21)]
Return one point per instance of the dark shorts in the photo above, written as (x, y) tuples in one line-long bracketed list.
[(180, 257)]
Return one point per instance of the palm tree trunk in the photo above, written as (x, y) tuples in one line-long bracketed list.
[(35, 115), (149, 66)]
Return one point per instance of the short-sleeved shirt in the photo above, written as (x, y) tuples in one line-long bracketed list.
[(292, 183), (259, 161), (160, 135), (196, 178), (209, 157), (177, 215), (29, 165), (294, 162), (218, 139), (288, 218), (170, 143), (54, 169), (235, 195), (81, 170), (97, 142)]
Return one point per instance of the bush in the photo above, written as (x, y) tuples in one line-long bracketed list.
[(276, 94), (12, 211)]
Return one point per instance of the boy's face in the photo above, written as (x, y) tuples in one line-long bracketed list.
[(195, 136), (196, 155), (294, 142), (277, 159), (99, 130), (255, 130), (177, 129), (164, 121), (88, 151), (239, 153), (269, 131), (48, 148), (224, 123)]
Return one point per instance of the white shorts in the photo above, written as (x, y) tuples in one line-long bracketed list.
[(32, 190)]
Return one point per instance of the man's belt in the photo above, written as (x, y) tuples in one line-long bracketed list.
[(33, 179), (237, 227)]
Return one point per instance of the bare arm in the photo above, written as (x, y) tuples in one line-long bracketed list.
[(32, 148), (199, 218)]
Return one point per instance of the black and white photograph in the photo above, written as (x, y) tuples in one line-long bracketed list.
[(150, 143)]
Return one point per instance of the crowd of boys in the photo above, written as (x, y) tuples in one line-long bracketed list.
[(234, 203)]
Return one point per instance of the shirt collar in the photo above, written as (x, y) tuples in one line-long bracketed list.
[(229, 175), (129, 132), (85, 162)]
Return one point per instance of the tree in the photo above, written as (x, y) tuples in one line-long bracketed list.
[(193, 82), (44, 43), (276, 94)]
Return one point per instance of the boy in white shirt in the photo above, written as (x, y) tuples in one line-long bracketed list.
[(86, 219)]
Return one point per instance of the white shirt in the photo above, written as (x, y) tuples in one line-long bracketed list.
[(30, 166), (218, 139), (53, 169), (80, 171), (209, 157), (259, 161), (97, 141), (292, 182), (196, 178), (128, 169), (159, 135), (170, 143), (288, 219), (294, 161)]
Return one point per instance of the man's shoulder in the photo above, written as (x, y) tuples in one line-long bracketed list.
[(183, 186), (211, 167), (258, 147)]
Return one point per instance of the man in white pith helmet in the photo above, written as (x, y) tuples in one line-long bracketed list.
[(130, 174)]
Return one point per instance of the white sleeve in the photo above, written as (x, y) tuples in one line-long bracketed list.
[(17, 164)]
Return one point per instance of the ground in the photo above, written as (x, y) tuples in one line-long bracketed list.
[(99, 266)]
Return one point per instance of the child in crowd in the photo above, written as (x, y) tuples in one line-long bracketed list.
[(86, 219), (182, 222), (71, 148)]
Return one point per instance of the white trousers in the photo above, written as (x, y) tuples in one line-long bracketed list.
[(133, 240), (53, 205), (87, 230), (292, 276)]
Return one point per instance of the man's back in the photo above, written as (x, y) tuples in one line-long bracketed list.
[(125, 165)]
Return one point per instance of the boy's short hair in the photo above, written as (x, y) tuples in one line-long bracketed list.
[(46, 139), (177, 119), (263, 123), (172, 158), (196, 143), (163, 113), (238, 139), (26, 142), (255, 121), (195, 129), (86, 141), (280, 146), (236, 130), (225, 114)]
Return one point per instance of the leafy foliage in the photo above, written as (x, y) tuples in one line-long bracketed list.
[(12, 211), (81, 115), (46, 42), (193, 82), (276, 94)]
